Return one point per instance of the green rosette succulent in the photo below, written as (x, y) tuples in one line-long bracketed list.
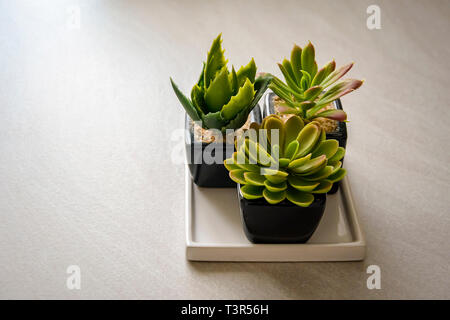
[(308, 90), (280, 160), (222, 99)]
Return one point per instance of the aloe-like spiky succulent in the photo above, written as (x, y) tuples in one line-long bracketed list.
[(222, 99), (280, 160), (308, 90)]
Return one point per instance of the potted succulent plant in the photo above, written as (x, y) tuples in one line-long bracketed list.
[(312, 93), (220, 104), (284, 169)]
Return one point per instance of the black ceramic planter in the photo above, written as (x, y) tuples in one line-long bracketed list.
[(340, 134), (284, 222), (203, 172)]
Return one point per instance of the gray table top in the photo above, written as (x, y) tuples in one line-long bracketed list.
[(86, 140)]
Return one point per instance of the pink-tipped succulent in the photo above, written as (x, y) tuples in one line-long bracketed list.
[(308, 91)]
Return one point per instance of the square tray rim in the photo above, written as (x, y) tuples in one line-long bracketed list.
[(358, 244)]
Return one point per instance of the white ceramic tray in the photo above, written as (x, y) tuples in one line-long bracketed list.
[(214, 230)]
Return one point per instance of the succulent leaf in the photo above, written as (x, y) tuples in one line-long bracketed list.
[(215, 60), (327, 148), (291, 83), (274, 197), (284, 162), (294, 175), (323, 172), (311, 165), (252, 192), (292, 149), (254, 178), (238, 176), (307, 138), (213, 120), (275, 187), (312, 93), (293, 126), (303, 93), (308, 59), (323, 73), (238, 102), (234, 83), (299, 162), (296, 62), (219, 92), (301, 184), (338, 155), (334, 114), (186, 103), (247, 72), (300, 198), (338, 175), (261, 84), (233, 94), (323, 187), (198, 99), (336, 75), (288, 67)]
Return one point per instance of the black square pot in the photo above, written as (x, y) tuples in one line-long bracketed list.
[(284, 222), (210, 175), (340, 134)]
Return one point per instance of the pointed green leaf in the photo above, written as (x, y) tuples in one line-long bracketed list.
[(186, 103), (233, 81), (323, 73), (239, 102), (288, 67), (198, 100), (219, 92), (333, 114), (290, 82), (306, 80), (247, 72), (312, 93), (261, 85), (336, 75), (215, 60), (340, 89)]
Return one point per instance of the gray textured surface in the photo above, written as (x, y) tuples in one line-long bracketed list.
[(85, 136)]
